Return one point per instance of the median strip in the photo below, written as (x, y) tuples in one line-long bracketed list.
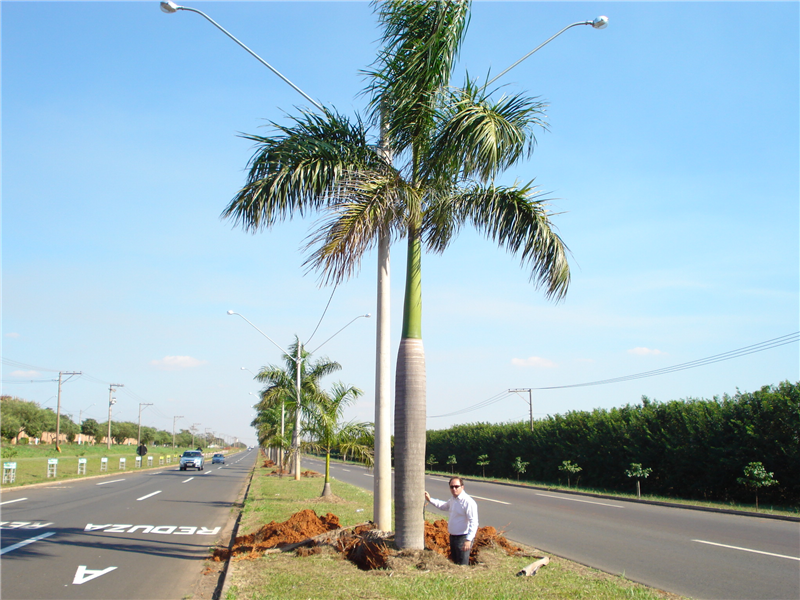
[(148, 496), (747, 550)]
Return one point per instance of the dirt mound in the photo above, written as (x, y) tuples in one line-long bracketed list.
[(299, 527), (278, 473), (307, 534), (268, 463), (437, 539)]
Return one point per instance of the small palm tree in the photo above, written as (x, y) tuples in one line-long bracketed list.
[(327, 432)]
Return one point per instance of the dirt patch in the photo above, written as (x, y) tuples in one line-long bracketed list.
[(268, 463), (306, 534), (280, 473)]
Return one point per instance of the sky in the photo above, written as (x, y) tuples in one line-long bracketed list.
[(670, 160)]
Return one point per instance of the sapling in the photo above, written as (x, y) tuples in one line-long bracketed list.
[(483, 460), (451, 460), (756, 476), (519, 466), (569, 468), (637, 471)]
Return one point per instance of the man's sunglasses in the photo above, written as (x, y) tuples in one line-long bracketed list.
[(454, 487)]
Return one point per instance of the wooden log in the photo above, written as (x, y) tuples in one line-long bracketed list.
[(532, 568)]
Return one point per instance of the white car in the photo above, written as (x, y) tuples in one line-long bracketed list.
[(192, 459)]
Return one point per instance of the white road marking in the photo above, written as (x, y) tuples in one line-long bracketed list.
[(148, 496), (348, 470), (187, 480), (105, 482), (584, 501), (26, 542), (369, 474), (747, 550), (489, 499), (10, 501), (82, 575), (207, 473)]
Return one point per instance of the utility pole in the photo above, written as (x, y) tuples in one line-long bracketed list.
[(193, 428), (58, 410), (530, 400), (111, 402), (173, 430), (139, 435)]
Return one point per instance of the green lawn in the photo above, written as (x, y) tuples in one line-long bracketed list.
[(426, 575), (32, 461)]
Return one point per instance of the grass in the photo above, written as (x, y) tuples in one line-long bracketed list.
[(327, 575), (32, 460)]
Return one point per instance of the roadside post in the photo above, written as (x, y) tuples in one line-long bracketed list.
[(122, 464), (52, 467), (81, 466), (138, 464), (161, 460), (104, 464), (149, 461), (9, 472)]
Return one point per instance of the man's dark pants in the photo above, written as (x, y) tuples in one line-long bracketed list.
[(459, 555)]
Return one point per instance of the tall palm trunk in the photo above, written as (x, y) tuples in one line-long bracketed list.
[(410, 410)]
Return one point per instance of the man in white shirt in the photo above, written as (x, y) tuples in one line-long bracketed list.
[(463, 522)]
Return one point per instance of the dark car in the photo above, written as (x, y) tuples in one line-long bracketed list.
[(218, 458)]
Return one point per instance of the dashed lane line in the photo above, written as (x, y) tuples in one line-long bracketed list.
[(187, 480), (107, 482), (10, 501), (26, 542), (489, 499), (747, 550), (584, 501), (148, 496)]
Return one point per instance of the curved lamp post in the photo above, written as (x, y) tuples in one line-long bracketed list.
[(298, 361), (170, 8), (598, 23)]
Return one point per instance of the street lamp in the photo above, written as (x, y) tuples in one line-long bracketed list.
[(171, 7), (598, 23), (298, 361)]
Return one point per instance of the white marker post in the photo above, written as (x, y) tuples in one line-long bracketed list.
[(138, 462), (121, 464), (149, 461), (52, 467), (9, 472), (81, 466)]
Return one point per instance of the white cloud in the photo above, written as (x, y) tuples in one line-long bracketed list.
[(174, 363), (11, 335), (645, 352), (24, 373), (533, 361)]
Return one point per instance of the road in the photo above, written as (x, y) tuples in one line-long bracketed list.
[(698, 554), (133, 534)]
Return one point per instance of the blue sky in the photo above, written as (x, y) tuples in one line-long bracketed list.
[(672, 156)]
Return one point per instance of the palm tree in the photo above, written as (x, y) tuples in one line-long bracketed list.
[(450, 144), (454, 142), (281, 387), (328, 432)]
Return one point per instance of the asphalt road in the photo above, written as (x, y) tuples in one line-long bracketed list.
[(698, 554), (133, 534)]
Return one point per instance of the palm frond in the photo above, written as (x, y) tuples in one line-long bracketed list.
[(298, 169), (517, 219), (479, 137), (369, 204), (421, 43)]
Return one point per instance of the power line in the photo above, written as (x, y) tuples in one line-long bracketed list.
[(752, 349)]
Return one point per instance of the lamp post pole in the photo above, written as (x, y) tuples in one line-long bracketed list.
[(298, 383), (111, 402)]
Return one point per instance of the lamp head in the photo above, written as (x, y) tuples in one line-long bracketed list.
[(367, 315), (598, 23), (169, 7), (230, 312)]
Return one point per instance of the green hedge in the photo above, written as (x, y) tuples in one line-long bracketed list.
[(696, 448)]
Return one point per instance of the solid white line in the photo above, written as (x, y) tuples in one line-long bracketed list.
[(584, 501), (148, 496), (746, 549), (186, 480), (348, 470), (10, 501), (26, 542), (105, 482), (369, 474), (489, 499)]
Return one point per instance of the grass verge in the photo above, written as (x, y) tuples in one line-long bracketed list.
[(329, 576)]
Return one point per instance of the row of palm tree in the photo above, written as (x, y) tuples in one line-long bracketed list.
[(448, 145), (321, 412)]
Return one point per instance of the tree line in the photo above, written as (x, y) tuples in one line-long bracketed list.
[(18, 416), (694, 448)]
